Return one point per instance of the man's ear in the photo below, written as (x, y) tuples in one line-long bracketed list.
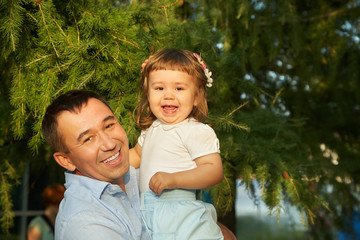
[(63, 160)]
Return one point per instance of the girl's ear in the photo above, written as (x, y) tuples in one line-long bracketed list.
[(198, 94), (63, 160), (196, 101)]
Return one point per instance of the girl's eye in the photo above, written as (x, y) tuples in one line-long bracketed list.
[(159, 88), (179, 89)]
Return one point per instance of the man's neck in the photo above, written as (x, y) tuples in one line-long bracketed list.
[(122, 184)]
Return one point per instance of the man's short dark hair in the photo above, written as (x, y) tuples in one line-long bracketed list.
[(71, 101)]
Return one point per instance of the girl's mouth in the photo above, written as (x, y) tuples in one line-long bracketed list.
[(169, 108)]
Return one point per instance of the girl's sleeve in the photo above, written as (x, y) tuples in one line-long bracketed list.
[(201, 140), (141, 138)]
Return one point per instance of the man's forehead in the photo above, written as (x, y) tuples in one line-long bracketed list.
[(87, 115), (67, 120)]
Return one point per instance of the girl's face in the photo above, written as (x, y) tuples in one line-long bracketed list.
[(171, 95)]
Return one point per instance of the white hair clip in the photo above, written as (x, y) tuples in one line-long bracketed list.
[(206, 70)]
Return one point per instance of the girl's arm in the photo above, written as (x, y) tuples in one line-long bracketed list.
[(208, 172), (135, 156)]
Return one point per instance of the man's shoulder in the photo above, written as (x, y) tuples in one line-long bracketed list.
[(77, 211), (73, 204), (80, 196)]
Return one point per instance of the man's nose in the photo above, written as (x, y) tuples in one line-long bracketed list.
[(107, 142)]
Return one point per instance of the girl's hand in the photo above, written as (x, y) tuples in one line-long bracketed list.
[(161, 181), (207, 173)]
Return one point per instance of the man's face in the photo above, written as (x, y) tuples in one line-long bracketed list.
[(97, 144)]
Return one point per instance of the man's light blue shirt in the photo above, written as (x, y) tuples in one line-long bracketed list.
[(93, 209)]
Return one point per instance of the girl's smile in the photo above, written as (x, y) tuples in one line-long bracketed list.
[(169, 109)]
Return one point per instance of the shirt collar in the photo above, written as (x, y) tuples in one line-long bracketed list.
[(95, 186), (167, 127)]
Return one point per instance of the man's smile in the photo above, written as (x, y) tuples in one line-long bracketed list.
[(111, 160)]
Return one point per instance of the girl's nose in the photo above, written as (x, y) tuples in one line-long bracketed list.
[(168, 94), (107, 142)]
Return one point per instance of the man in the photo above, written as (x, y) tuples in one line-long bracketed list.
[(102, 196)]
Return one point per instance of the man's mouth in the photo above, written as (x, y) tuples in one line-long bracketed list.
[(110, 159), (169, 108)]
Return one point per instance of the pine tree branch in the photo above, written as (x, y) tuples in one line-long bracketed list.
[(118, 102), (327, 15), (21, 112), (117, 62), (170, 5), (277, 95), (83, 82), (229, 200), (278, 211), (118, 51), (46, 27), (63, 33), (67, 64), (292, 182), (236, 109), (323, 203), (234, 124), (39, 59), (47, 96), (59, 91), (124, 40), (11, 23), (6, 201), (314, 18), (77, 26), (167, 17), (164, 7), (99, 51), (30, 15), (7, 204), (302, 216), (12, 171), (311, 216)]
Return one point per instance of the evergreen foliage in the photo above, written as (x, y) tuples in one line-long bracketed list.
[(296, 62), (285, 100)]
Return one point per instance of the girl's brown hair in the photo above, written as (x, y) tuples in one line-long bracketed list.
[(177, 60)]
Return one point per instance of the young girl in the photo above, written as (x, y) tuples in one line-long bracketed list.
[(179, 153)]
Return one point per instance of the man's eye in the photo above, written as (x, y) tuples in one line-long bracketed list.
[(88, 139), (110, 125)]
